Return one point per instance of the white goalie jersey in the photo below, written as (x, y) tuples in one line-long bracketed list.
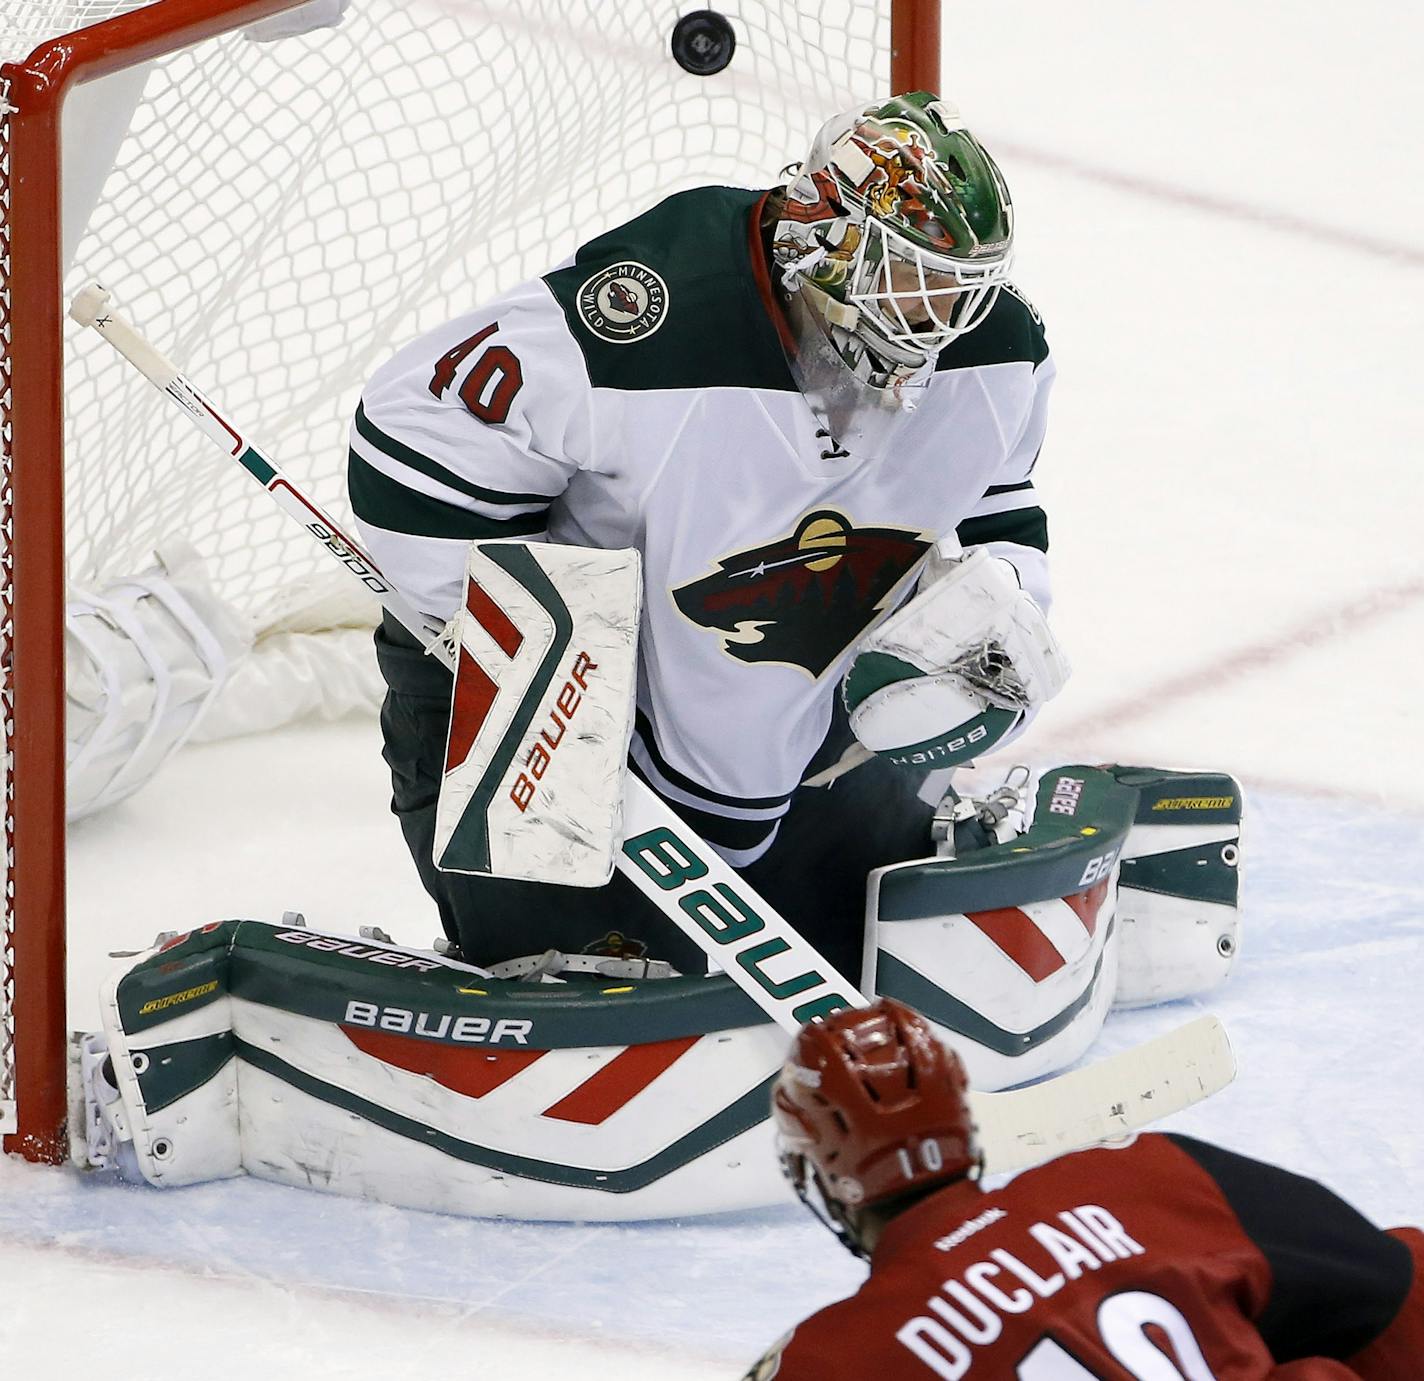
[(639, 396)]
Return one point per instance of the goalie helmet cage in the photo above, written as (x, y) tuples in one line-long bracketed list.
[(275, 207)]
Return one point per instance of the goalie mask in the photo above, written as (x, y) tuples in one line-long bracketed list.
[(896, 236), (870, 1106)]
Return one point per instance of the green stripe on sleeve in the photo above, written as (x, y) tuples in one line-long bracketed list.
[(432, 469), (1026, 526), (383, 502)]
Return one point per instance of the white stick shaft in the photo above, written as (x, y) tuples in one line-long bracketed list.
[(774, 964), (690, 883), (91, 307)]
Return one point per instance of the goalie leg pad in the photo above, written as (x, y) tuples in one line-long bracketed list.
[(160, 1081), (361, 1068), (1011, 951), (1179, 891)]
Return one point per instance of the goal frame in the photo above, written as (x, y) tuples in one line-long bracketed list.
[(32, 561)]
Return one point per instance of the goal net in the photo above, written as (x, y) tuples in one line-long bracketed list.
[(277, 207)]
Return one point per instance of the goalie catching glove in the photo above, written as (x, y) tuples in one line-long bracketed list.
[(966, 662)]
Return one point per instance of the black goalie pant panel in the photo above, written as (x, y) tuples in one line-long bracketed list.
[(814, 873)]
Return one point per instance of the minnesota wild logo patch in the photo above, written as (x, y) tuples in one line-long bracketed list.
[(623, 302), (803, 599)]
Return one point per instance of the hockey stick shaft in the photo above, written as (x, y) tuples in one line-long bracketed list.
[(91, 308), (694, 887)]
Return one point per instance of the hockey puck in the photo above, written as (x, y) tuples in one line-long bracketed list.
[(703, 42)]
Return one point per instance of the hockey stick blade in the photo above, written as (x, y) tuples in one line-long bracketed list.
[(1111, 1098)]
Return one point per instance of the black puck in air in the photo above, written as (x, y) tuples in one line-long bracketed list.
[(703, 42)]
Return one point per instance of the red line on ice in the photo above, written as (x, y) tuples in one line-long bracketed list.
[(1411, 255), (1316, 631)]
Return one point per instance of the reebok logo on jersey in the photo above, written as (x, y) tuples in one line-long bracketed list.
[(963, 1233), (624, 302), (803, 599)]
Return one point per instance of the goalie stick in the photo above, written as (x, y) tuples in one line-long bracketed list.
[(696, 889)]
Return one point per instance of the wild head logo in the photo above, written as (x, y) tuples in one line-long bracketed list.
[(803, 600), (616, 945)]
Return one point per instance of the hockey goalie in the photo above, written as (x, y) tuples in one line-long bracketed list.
[(734, 514)]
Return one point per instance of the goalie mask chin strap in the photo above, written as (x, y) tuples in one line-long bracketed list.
[(860, 407)]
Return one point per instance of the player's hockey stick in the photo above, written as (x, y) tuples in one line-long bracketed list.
[(692, 885), (1109, 1098)]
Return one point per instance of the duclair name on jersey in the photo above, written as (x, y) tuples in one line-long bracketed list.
[(970, 1309)]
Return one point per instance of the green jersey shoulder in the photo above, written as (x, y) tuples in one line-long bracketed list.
[(671, 299), (1011, 334)]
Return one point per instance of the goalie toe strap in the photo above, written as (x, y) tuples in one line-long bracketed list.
[(553, 962)]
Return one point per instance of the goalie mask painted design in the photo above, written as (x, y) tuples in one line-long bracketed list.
[(896, 237), (869, 1106)]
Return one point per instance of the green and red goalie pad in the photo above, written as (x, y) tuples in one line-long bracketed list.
[(363, 1068), (1124, 892)]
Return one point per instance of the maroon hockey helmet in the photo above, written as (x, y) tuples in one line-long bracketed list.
[(869, 1106)]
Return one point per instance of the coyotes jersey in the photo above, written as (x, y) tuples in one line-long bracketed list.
[(639, 396), (1165, 1260)]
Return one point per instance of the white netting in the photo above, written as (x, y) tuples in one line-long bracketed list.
[(279, 216), (283, 214), (24, 24)]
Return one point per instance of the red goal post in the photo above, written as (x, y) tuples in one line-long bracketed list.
[(61, 518)]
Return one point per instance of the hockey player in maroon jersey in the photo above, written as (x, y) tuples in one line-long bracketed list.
[(1160, 1259)]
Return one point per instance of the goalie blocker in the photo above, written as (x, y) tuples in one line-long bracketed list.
[(541, 715)]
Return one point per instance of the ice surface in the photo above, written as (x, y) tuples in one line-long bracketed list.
[(1322, 1010), (1221, 219)]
